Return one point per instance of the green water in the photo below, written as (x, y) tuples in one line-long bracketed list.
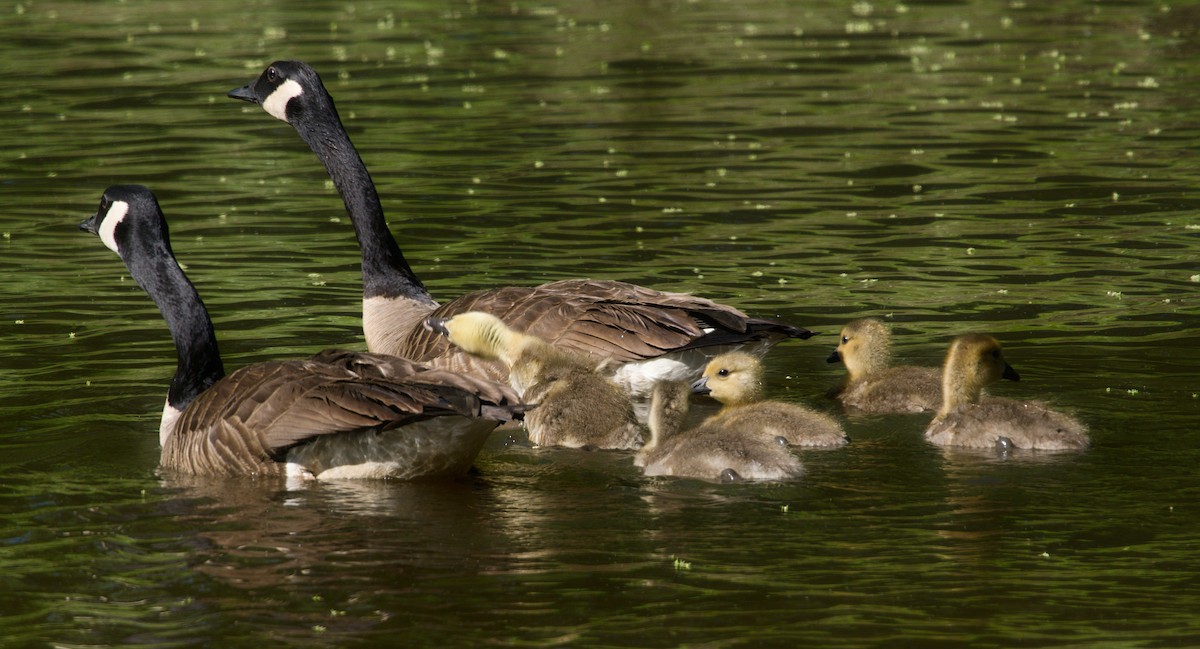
[(1025, 169)]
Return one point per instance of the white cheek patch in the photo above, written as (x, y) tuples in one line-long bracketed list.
[(277, 103), (108, 227)]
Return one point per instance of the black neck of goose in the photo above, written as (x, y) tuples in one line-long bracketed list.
[(385, 271), (195, 341)]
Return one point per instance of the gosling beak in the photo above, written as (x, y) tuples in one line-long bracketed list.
[(1010, 373), (437, 326), (835, 357), (245, 93), (700, 386)]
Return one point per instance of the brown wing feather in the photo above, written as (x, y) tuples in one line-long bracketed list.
[(244, 422), (609, 319)]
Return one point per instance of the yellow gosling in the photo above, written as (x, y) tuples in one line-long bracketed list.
[(969, 418), (575, 406), (711, 451), (735, 379), (872, 384)]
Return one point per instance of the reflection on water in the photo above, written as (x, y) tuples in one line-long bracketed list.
[(1023, 169)]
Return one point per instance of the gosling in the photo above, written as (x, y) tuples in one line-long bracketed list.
[(575, 406), (710, 451), (872, 385), (735, 379), (969, 418)]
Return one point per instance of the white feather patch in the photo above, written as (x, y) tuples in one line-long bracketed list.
[(167, 425), (639, 378), (364, 471), (277, 103), (108, 227)]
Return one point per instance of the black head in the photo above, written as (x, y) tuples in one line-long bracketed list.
[(128, 216), (288, 90)]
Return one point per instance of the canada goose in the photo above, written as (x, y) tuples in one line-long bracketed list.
[(627, 323), (873, 386), (334, 415), (971, 419), (713, 450), (576, 407), (735, 380)]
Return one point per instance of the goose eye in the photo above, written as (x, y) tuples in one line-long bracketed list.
[(723, 372), (845, 339), (272, 74)]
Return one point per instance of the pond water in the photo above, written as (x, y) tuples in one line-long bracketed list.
[(1025, 169)]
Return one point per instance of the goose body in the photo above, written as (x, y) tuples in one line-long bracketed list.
[(872, 384), (714, 450), (333, 415), (969, 418), (735, 379), (649, 335), (575, 406)]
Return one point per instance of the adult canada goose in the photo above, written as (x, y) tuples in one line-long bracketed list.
[(576, 406), (334, 415), (872, 384), (972, 419), (735, 380), (627, 323), (714, 450)]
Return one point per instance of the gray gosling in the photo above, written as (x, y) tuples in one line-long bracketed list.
[(711, 451), (872, 385), (969, 418), (735, 379), (575, 406)]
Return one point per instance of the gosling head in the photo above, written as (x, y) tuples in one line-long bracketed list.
[(973, 362), (475, 332), (865, 347), (289, 91), (733, 378)]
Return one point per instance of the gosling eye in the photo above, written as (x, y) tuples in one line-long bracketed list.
[(845, 339), (272, 74), (723, 372)]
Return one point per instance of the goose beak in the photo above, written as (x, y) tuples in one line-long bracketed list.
[(245, 93), (437, 326), (803, 334), (1010, 373), (701, 386), (835, 357), (89, 225)]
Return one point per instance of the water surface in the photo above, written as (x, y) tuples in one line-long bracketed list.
[(1019, 169)]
